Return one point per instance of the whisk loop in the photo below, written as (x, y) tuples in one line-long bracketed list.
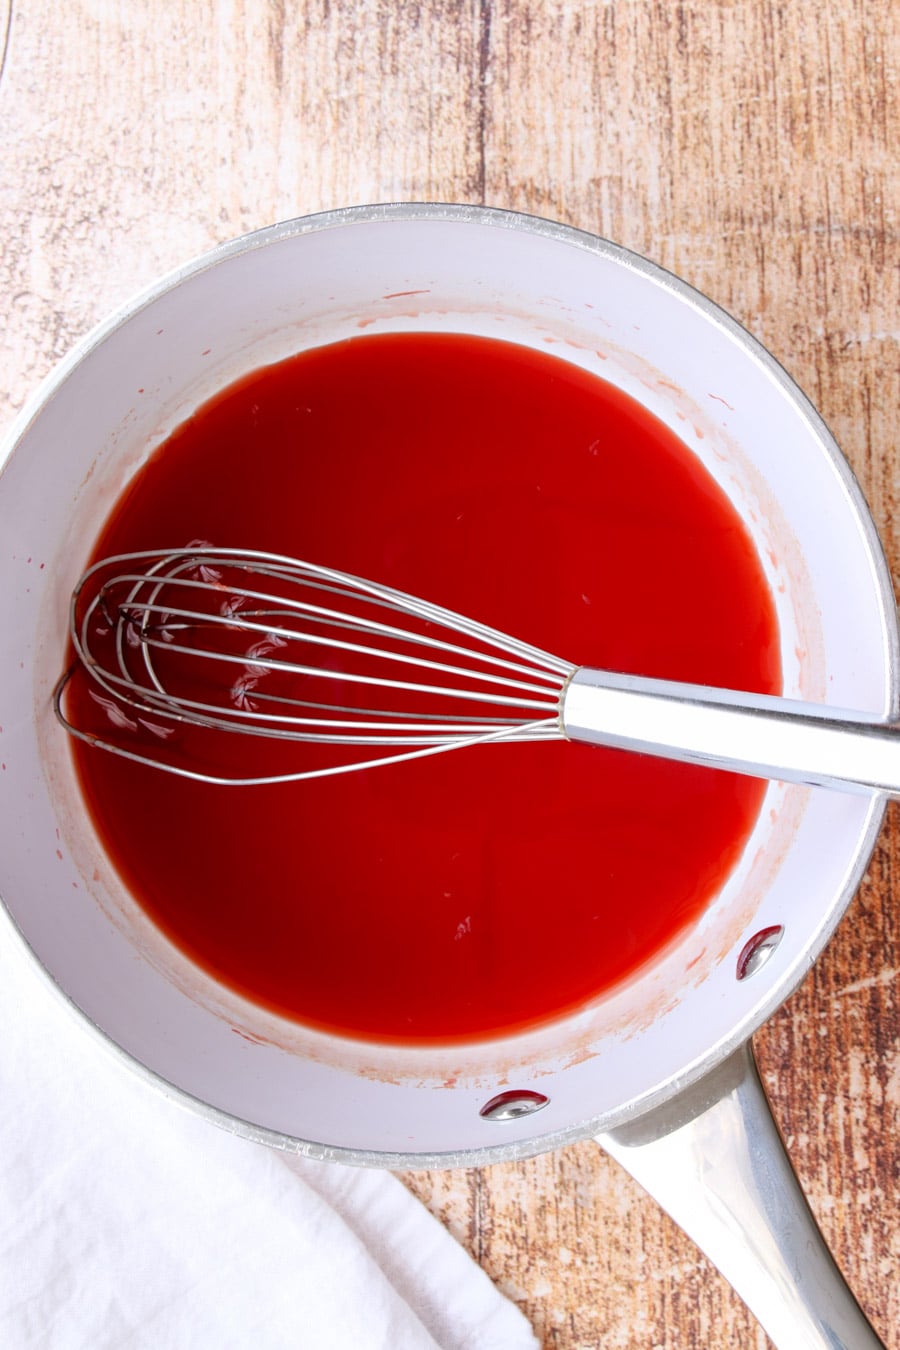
[(182, 642), (254, 643)]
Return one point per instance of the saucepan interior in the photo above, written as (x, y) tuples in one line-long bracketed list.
[(455, 269)]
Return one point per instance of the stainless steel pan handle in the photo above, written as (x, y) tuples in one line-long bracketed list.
[(714, 1161)]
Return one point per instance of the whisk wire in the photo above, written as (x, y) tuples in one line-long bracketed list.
[(152, 634), (335, 618)]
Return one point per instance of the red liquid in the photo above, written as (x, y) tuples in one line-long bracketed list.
[(491, 888)]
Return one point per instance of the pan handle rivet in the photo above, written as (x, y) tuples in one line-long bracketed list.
[(756, 952), (513, 1105)]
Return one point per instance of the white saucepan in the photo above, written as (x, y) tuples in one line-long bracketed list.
[(661, 1073)]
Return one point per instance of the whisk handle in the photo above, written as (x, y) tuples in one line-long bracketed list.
[(756, 734)]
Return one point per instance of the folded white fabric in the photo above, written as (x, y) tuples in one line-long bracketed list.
[(125, 1221)]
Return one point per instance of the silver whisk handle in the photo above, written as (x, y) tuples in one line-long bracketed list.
[(757, 734)]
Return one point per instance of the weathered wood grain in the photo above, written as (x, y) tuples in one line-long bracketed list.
[(749, 146)]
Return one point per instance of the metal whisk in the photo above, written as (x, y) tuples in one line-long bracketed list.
[(225, 640)]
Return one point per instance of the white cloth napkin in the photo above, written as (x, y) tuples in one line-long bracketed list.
[(125, 1221)]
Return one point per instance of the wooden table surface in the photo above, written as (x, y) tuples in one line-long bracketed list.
[(749, 145)]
